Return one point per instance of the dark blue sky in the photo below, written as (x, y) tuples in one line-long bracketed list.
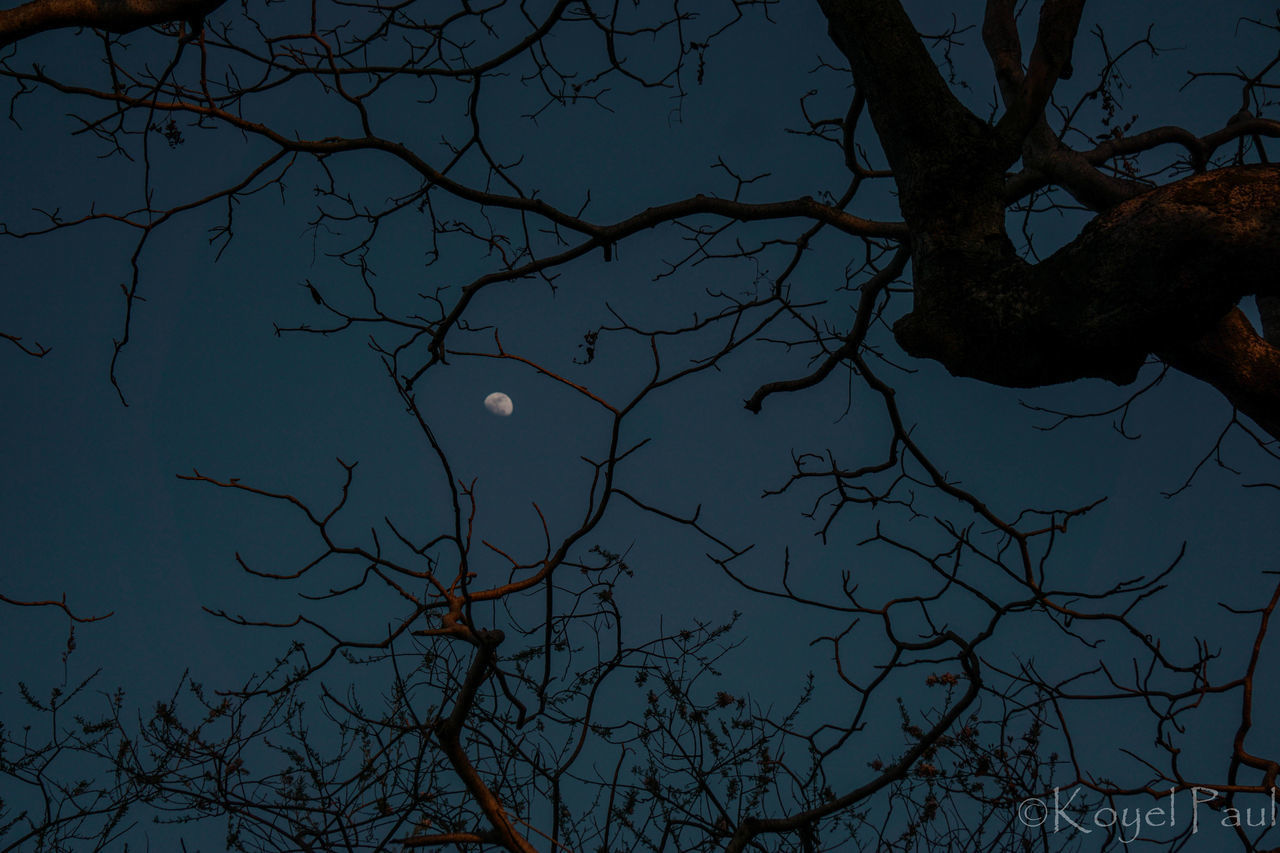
[(92, 505)]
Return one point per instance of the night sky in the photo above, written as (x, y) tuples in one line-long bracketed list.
[(93, 507)]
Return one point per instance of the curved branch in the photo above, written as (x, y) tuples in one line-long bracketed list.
[(866, 304), (1151, 275), (39, 350), (1233, 358), (749, 828), (116, 16), (1200, 148), (61, 605)]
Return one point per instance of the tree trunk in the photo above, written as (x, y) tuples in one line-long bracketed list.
[(1153, 274), (1158, 273)]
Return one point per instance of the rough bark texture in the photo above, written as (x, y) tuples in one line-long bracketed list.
[(1152, 274), (1235, 360), (1158, 272), (117, 16)]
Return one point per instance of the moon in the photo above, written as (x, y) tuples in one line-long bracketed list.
[(499, 404)]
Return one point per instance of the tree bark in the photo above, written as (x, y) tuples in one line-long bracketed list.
[(1153, 274), (1233, 358), (1158, 272), (117, 16)]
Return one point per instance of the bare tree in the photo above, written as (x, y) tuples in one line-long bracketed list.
[(504, 701)]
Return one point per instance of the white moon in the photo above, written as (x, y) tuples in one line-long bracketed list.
[(498, 403)]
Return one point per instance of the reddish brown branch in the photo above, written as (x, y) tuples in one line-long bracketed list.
[(117, 16), (1233, 358)]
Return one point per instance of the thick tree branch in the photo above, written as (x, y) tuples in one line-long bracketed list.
[(117, 16), (1051, 54), (1026, 93), (1000, 35), (1048, 160), (938, 150), (1233, 358), (449, 734), (1199, 148), (1152, 274)]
